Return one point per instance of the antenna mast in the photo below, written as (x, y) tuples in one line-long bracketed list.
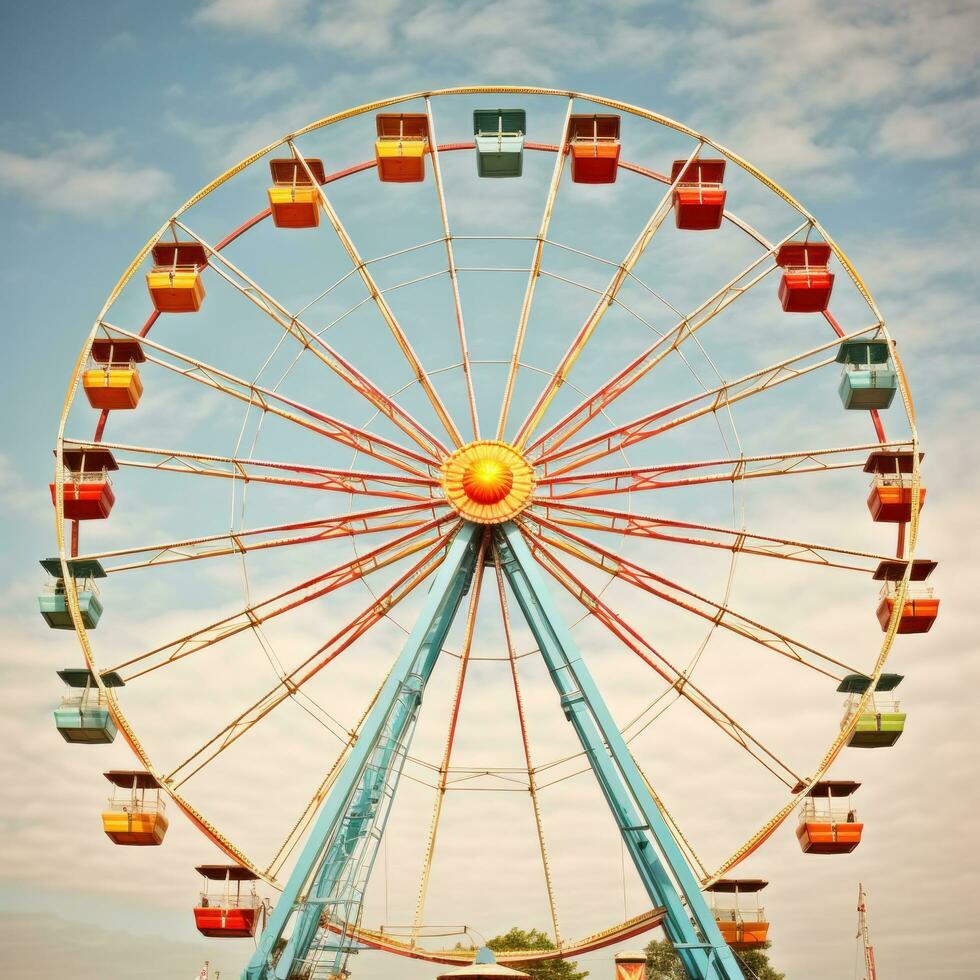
[(863, 933)]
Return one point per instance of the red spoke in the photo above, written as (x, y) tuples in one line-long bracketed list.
[(707, 402), (683, 598), (638, 525), (256, 614), (606, 394), (676, 679), (619, 277), (447, 754), (270, 401), (291, 683), (319, 348), (242, 542), (376, 294), (354, 482), (637, 478)]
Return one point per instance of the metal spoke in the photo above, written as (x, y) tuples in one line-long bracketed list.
[(686, 327), (447, 754), (705, 403), (582, 517), (676, 679), (242, 542), (270, 401), (532, 281), (291, 683), (660, 213), (634, 479), (319, 348), (453, 279), (532, 782), (255, 614), (381, 303), (677, 595), (187, 462)]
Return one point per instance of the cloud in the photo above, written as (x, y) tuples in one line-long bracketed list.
[(930, 132), (252, 86), (252, 16), (512, 37), (82, 176)]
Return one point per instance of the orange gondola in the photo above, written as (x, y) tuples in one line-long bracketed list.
[(920, 607), (112, 380), (742, 922), (135, 814), (293, 197), (401, 146), (631, 965), (824, 829), (890, 499), (174, 281), (699, 199)]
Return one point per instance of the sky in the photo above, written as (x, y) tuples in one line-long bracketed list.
[(115, 114)]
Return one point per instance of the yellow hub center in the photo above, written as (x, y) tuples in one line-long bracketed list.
[(487, 481)]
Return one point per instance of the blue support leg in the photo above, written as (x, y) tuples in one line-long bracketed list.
[(699, 943), (373, 762)]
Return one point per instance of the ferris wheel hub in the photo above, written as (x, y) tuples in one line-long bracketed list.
[(487, 482)]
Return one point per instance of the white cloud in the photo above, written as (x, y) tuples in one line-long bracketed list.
[(930, 132), (83, 176), (252, 15), (251, 86)]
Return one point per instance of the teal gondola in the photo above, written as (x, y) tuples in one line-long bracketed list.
[(869, 379), (499, 136), (83, 717), (53, 601)]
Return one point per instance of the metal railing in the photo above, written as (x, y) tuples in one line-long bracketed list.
[(87, 476), (58, 587), (811, 814), (889, 589), (90, 699), (213, 901), (139, 806), (903, 480), (739, 915)]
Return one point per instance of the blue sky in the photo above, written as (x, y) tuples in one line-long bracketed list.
[(115, 114)]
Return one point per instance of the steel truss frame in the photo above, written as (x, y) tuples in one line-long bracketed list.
[(561, 454), (322, 899)]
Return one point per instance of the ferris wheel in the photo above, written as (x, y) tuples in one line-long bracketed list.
[(466, 442)]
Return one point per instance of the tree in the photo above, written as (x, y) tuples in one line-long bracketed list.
[(663, 963), (534, 939)]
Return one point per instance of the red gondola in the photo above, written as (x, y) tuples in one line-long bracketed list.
[(87, 491), (890, 499), (824, 828), (225, 913), (807, 281), (699, 199), (593, 142)]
